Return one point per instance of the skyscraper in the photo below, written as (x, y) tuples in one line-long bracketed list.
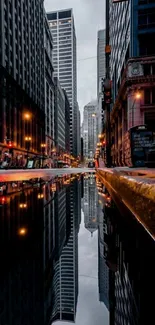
[(89, 129), (90, 205), (64, 61), (101, 71), (22, 75)]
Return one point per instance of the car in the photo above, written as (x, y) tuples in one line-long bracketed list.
[(66, 166), (91, 164)]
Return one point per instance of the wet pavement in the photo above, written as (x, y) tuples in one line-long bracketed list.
[(68, 254)]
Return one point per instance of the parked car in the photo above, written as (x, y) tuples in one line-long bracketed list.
[(91, 164)]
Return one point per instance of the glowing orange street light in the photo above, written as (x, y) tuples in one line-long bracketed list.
[(27, 116), (138, 95), (40, 196), (43, 145), (23, 205), (22, 231), (28, 138)]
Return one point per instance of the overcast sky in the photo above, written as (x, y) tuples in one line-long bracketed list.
[(89, 17)]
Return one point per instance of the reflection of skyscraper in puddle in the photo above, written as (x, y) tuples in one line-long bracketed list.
[(103, 270), (26, 252), (65, 281), (90, 204)]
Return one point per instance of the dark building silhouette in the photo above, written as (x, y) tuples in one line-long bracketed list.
[(129, 252)]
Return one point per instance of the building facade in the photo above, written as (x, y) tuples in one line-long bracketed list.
[(64, 61), (21, 78), (132, 65), (101, 73), (59, 116), (89, 129), (67, 125), (49, 88), (90, 205)]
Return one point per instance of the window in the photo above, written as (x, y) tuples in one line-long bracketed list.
[(52, 16), (64, 14)]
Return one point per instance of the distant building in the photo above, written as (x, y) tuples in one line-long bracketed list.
[(78, 131), (101, 72), (59, 116), (90, 205), (89, 129), (64, 61)]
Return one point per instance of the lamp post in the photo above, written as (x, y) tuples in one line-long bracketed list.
[(137, 96), (43, 146), (28, 141)]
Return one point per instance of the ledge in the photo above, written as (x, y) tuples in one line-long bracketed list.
[(136, 189)]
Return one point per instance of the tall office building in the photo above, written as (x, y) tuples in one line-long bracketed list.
[(59, 116), (21, 76), (49, 88), (103, 270), (132, 68), (89, 129), (65, 281), (64, 61), (101, 72), (90, 205)]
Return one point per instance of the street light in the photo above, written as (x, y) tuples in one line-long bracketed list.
[(93, 115), (27, 116), (43, 146), (28, 140), (137, 97)]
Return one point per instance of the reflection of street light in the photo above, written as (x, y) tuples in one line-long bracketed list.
[(22, 231), (40, 196), (27, 116), (23, 205)]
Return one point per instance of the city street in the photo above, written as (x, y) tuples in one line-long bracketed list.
[(17, 175)]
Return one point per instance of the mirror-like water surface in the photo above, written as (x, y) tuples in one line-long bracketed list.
[(69, 255)]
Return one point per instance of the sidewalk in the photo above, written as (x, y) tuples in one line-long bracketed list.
[(135, 187)]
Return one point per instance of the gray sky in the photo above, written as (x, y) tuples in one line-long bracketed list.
[(89, 17)]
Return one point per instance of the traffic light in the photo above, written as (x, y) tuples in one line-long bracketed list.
[(107, 96)]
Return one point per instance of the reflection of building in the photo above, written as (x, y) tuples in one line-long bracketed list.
[(89, 129), (60, 220), (103, 270), (27, 256), (65, 281), (131, 269), (90, 204), (64, 61)]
